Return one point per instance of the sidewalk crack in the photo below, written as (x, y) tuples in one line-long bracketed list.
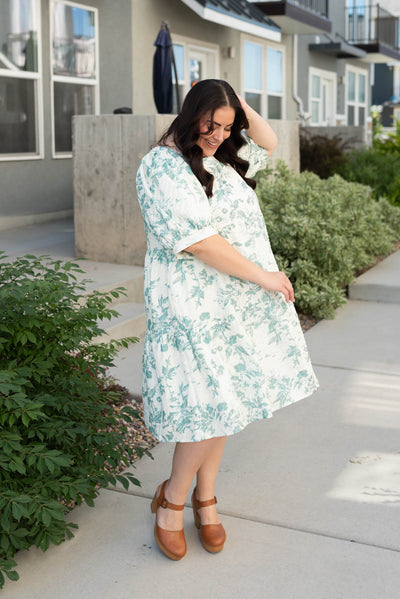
[(275, 524)]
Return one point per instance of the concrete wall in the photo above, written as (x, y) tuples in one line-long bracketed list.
[(355, 136), (288, 148), (41, 189), (107, 154)]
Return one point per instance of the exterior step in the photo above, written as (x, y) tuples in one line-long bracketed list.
[(378, 283), (131, 322), (131, 278), (128, 368)]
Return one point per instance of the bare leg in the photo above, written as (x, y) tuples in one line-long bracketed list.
[(206, 477), (188, 459)]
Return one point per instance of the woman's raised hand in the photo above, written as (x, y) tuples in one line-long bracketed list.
[(259, 130), (243, 103), (278, 281)]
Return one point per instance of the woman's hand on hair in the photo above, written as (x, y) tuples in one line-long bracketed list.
[(243, 103), (259, 130)]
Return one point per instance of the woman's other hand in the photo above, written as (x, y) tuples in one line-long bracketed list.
[(220, 254), (278, 281)]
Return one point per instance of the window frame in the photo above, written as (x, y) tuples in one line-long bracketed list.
[(329, 76), (356, 103), (72, 80), (37, 77), (265, 44), (260, 92), (358, 10), (191, 44), (275, 94)]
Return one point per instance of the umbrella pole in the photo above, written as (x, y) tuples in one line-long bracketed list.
[(165, 25)]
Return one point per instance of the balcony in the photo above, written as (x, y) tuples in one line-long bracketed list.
[(374, 30), (298, 16)]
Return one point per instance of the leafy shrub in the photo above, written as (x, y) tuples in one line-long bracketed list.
[(323, 232), (321, 154), (387, 142), (378, 166), (59, 436), (375, 168)]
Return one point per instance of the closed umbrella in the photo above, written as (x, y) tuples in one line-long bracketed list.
[(162, 74)]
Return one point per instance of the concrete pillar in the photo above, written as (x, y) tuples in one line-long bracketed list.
[(288, 148), (107, 151)]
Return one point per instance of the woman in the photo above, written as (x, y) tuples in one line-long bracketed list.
[(223, 345)]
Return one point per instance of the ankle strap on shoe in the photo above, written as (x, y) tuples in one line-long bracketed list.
[(163, 502), (200, 504)]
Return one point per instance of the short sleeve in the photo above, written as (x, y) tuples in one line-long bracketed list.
[(175, 208), (256, 156)]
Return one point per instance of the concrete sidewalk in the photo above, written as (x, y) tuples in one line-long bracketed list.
[(310, 499)]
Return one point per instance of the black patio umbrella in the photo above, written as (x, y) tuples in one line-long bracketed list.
[(162, 73)]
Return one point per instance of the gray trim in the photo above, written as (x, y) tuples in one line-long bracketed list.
[(339, 49), (296, 13), (15, 222), (241, 9), (380, 48)]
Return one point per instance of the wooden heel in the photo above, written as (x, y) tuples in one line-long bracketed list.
[(212, 535), (154, 506), (172, 543), (197, 521)]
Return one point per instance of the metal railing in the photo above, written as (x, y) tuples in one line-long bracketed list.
[(319, 6), (372, 23)]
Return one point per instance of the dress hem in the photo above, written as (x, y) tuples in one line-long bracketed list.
[(184, 439)]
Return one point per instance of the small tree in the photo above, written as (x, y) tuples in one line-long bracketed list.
[(60, 434)]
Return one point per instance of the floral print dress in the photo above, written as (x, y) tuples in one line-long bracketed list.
[(219, 352)]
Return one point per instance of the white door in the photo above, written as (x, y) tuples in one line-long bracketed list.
[(202, 65), (327, 102)]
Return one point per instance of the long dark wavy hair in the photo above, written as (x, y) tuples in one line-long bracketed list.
[(203, 98)]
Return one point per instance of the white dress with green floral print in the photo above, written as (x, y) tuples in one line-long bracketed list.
[(219, 352)]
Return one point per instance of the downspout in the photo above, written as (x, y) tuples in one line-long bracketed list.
[(296, 97)]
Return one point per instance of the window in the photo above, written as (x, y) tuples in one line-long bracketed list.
[(274, 83), (322, 97), (74, 69), (356, 96), (179, 54), (357, 20), (263, 79), (253, 84), (315, 99), (193, 63), (20, 78)]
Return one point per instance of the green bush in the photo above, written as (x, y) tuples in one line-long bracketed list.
[(373, 167), (378, 166), (386, 142), (323, 232), (321, 154), (60, 434)]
